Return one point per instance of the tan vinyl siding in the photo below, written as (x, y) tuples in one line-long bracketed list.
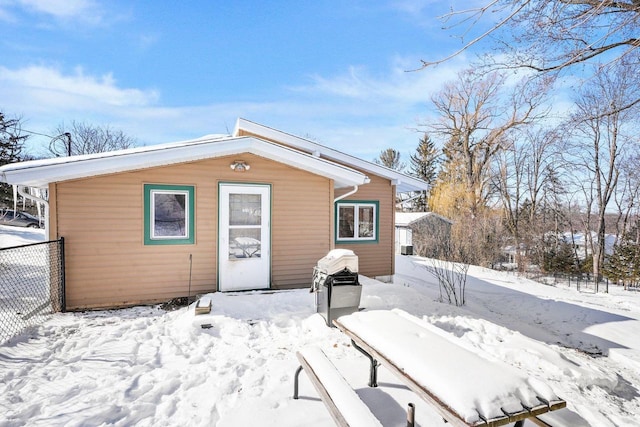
[(376, 259), (108, 265)]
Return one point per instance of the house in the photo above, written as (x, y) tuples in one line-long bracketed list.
[(581, 243), (253, 210), (578, 245), (425, 232)]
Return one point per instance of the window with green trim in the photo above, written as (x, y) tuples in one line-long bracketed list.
[(357, 221), (169, 214)]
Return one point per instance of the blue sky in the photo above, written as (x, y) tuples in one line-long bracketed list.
[(161, 71)]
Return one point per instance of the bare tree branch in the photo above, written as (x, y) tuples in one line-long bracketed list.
[(552, 35)]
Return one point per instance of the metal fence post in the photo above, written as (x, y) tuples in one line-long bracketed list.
[(63, 279)]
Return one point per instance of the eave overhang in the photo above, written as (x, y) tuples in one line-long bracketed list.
[(40, 173)]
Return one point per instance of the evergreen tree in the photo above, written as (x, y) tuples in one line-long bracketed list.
[(623, 266), (10, 140), (11, 144), (423, 164), (559, 258), (391, 159)]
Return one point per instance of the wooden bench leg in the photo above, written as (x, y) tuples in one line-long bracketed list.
[(295, 382), (373, 370)]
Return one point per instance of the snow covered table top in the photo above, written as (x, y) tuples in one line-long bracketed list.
[(466, 387)]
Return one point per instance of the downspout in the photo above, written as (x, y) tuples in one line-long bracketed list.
[(337, 199), (22, 190), (355, 189)]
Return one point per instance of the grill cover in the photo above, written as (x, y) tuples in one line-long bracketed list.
[(337, 260)]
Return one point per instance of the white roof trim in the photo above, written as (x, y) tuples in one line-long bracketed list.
[(39, 173), (403, 183)]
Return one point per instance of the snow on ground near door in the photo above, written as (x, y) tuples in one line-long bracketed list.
[(144, 366)]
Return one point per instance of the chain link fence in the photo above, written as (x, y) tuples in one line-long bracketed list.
[(583, 282), (31, 285)]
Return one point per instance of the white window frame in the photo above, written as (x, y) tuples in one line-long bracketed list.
[(153, 214), (150, 236), (356, 221)]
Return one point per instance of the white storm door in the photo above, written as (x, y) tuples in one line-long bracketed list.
[(244, 237)]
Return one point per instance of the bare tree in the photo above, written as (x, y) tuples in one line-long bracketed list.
[(452, 280), (82, 138), (521, 175), (550, 36), (627, 197), (450, 261), (601, 138), (477, 113)]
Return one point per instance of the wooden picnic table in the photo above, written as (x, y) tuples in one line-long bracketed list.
[(248, 245), (465, 387)]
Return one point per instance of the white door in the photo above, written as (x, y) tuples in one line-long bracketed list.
[(244, 237)]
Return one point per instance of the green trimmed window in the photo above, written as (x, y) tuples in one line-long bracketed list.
[(357, 221), (169, 214)]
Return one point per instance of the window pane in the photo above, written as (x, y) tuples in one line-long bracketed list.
[(365, 221), (245, 209), (244, 243), (346, 223), (169, 214)]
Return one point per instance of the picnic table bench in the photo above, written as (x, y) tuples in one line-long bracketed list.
[(465, 387), (343, 403)]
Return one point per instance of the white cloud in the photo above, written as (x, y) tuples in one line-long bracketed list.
[(40, 12), (415, 7), (45, 97), (53, 89), (6, 16), (399, 85), (146, 40), (354, 112), (85, 10)]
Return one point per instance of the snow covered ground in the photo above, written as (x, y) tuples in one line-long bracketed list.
[(149, 367), (16, 236)]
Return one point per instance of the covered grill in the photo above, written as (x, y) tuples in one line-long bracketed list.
[(336, 285)]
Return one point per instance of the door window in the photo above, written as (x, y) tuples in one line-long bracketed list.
[(245, 226)]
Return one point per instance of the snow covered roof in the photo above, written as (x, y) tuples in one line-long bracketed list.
[(404, 219), (403, 183), (582, 240), (39, 173)]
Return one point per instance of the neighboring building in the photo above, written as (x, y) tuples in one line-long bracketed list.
[(581, 243), (254, 210), (425, 232)]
